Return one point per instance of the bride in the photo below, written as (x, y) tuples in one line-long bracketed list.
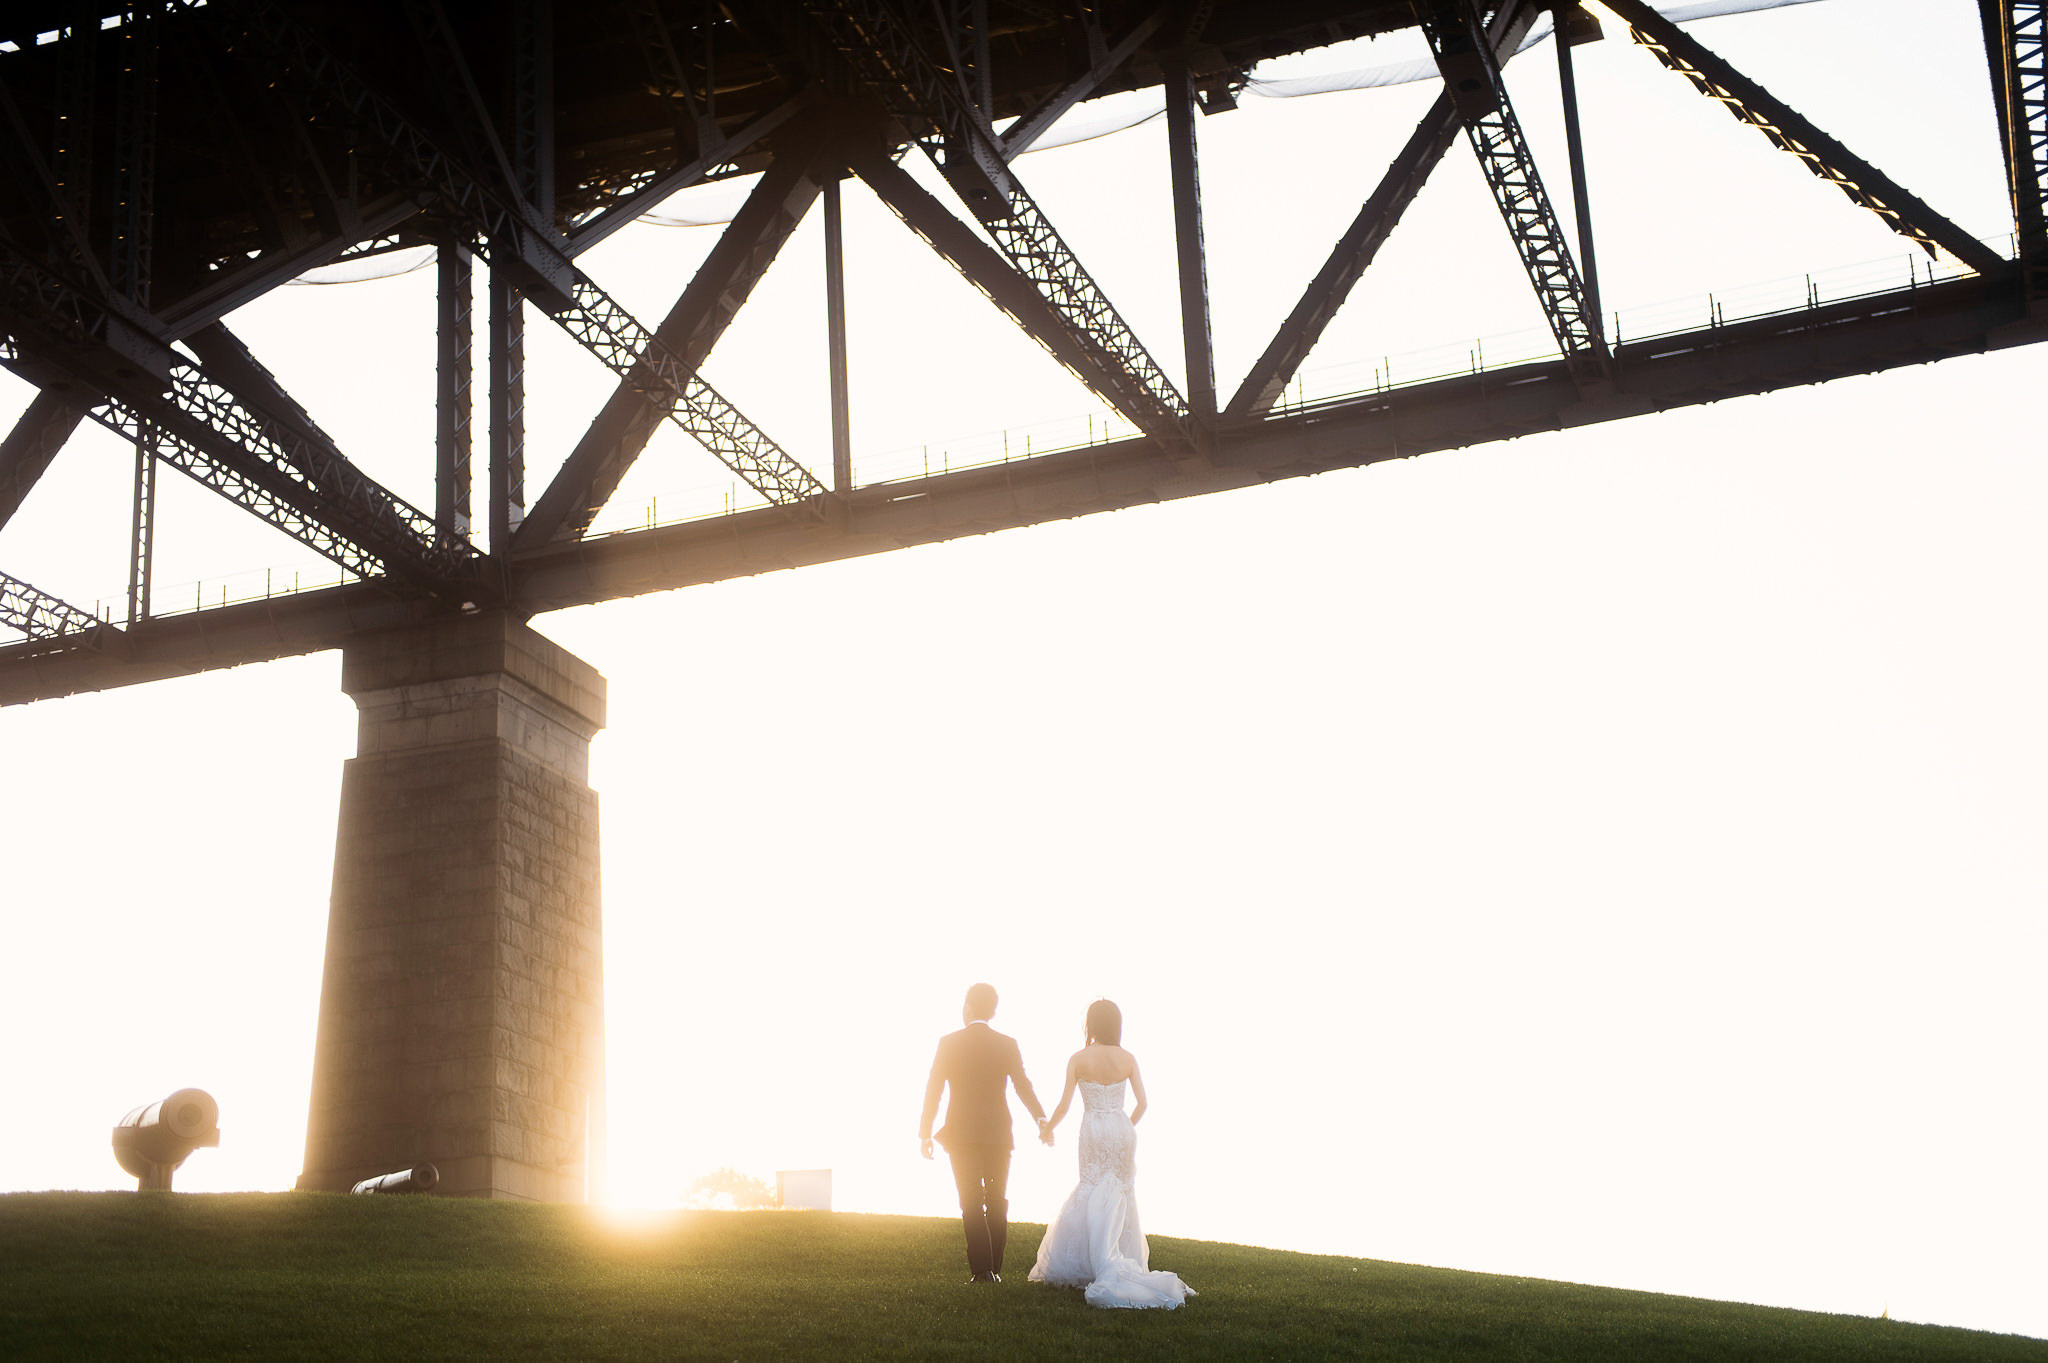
[(1095, 1241)]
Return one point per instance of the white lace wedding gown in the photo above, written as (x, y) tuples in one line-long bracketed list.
[(1095, 1241)]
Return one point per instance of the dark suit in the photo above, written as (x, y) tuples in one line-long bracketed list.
[(978, 1062)]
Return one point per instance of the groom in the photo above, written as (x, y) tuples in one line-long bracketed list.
[(978, 1061)]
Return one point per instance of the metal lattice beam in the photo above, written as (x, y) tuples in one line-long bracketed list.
[(1509, 166), (513, 238), (142, 526), (454, 371), (2016, 41), (280, 467), (721, 285), (880, 45), (1361, 242), (44, 618), (261, 483), (984, 267), (1827, 158)]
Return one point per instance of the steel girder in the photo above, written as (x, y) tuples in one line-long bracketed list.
[(1019, 136), (276, 467), (133, 225), (1361, 242), (512, 236), (1327, 292), (878, 44), (1472, 71), (207, 433), (1827, 158), (594, 469), (506, 396), (454, 340), (1869, 335), (28, 449), (142, 527), (1197, 341), (2016, 41), (46, 619), (719, 157), (52, 627), (562, 569), (984, 267)]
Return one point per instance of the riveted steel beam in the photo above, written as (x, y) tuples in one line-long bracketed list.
[(42, 618), (1750, 103), (721, 285), (132, 215), (39, 432), (454, 373), (514, 240), (1020, 135), (1184, 164), (274, 463), (142, 524), (1472, 73), (998, 280), (2016, 41), (1361, 242), (719, 158), (875, 40)]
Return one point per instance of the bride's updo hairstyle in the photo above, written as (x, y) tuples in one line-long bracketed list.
[(1105, 1023)]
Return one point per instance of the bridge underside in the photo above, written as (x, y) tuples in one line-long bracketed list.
[(171, 160)]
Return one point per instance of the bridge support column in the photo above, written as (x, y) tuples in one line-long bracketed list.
[(462, 1004)]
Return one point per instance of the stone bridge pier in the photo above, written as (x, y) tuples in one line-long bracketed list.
[(462, 1002)]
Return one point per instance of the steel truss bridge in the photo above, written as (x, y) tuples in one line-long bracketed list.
[(167, 161)]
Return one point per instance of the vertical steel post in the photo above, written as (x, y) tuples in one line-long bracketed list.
[(452, 375), (533, 104), (984, 83), (1576, 151), (142, 541), (1187, 229), (835, 340), (77, 72), (134, 182), (508, 410)]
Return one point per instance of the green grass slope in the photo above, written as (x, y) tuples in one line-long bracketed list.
[(286, 1276)]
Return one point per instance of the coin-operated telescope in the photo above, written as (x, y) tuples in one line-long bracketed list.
[(421, 1179), (154, 1139)]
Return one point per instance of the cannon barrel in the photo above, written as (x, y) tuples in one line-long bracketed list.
[(420, 1179), (154, 1139)]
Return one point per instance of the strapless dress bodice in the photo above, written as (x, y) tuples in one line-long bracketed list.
[(1102, 1097)]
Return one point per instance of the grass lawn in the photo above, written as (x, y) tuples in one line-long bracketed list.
[(297, 1275)]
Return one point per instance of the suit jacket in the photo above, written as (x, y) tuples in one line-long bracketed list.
[(977, 1061)]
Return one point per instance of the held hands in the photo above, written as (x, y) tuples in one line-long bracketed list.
[(1045, 1131)]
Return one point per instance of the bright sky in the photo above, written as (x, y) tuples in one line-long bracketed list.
[(1610, 856)]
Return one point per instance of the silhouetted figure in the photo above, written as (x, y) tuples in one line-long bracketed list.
[(1095, 1241), (978, 1062)]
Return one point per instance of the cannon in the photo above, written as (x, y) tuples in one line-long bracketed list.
[(154, 1139), (420, 1179)]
